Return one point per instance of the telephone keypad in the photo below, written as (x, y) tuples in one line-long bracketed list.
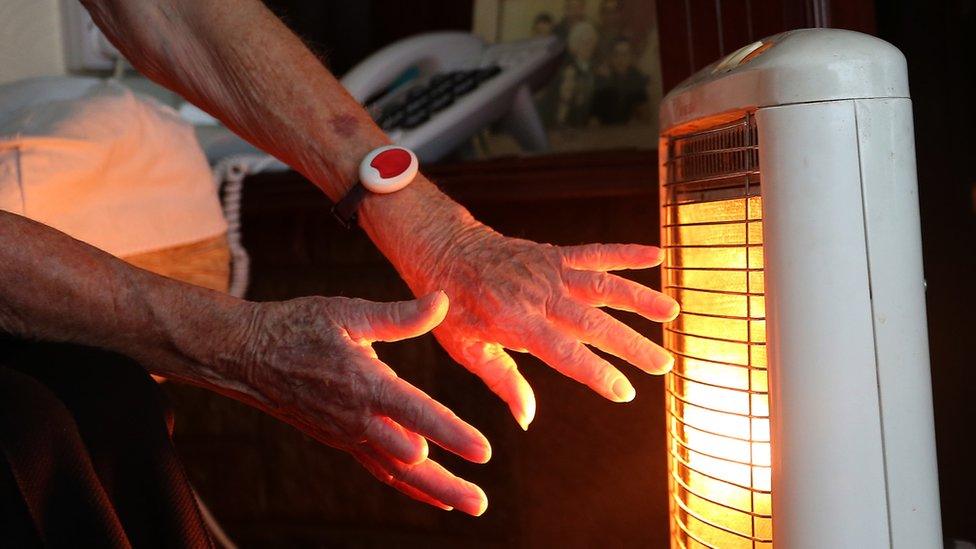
[(417, 104), (440, 102), (416, 119)]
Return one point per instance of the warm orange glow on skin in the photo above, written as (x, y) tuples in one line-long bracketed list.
[(718, 422)]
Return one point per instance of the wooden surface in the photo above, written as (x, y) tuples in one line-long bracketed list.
[(587, 473)]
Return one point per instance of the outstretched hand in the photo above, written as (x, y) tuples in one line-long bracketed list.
[(515, 294), (310, 363)]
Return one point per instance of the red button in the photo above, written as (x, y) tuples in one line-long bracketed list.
[(391, 163)]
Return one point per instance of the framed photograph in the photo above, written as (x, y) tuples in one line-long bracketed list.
[(605, 95)]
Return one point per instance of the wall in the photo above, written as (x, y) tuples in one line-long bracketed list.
[(30, 39)]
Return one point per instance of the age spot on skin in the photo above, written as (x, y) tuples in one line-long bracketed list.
[(344, 125)]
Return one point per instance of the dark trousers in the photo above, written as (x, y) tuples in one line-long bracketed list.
[(86, 453)]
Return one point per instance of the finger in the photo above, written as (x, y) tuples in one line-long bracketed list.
[(571, 358), (387, 435), (611, 257), (498, 370), (431, 479), (374, 321), (597, 328), (415, 410), (607, 290), (381, 474)]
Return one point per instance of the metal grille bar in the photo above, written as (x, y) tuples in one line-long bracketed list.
[(718, 404)]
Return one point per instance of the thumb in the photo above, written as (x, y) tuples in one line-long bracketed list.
[(397, 320)]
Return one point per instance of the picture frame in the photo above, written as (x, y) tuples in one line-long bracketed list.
[(605, 93)]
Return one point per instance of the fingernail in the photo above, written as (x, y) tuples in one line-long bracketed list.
[(486, 449), (670, 308), (475, 504), (525, 415), (623, 390), (478, 505), (667, 365), (434, 299)]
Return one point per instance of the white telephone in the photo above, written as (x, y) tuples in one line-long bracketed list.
[(432, 92)]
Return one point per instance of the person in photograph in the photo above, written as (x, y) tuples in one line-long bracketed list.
[(620, 87), (553, 103), (567, 90), (568, 100), (542, 25), (574, 11), (610, 27)]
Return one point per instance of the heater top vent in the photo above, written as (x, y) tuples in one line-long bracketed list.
[(801, 66)]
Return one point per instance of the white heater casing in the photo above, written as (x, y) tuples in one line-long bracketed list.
[(852, 433)]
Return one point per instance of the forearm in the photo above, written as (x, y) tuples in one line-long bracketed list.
[(55, 288), (237, 61)]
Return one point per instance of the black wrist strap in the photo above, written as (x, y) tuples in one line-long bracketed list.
[(346, 211)]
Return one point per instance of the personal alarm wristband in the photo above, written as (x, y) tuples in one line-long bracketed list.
[(384, 170)]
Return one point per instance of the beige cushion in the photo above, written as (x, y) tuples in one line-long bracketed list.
[(106, 166)]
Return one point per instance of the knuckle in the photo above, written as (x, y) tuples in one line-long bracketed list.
[(412, 415), (392, 312), (416, 415), (503, 370), (600, 283), (379, 393), (497, 358), (366, 429), (549, 308), (634, 345), (401, 475), (645, 298), (334, 307), (604, 375), (574, 354), (592, 322), (562, 352), (637, 292)]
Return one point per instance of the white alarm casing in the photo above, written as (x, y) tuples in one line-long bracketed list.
[(375, 182)]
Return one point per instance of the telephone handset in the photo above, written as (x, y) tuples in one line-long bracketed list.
[(433, 91)]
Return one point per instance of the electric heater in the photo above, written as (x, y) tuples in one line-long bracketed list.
[(799, 409)]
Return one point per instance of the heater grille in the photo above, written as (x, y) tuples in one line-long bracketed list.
[(717, 393)]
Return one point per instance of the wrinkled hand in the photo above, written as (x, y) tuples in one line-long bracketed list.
[(310, 364), (508, 293)]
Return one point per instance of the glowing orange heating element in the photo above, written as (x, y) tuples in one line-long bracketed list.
[(717, 399)]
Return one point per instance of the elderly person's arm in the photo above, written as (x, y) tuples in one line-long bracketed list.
[(307, 361), (238, 62)]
